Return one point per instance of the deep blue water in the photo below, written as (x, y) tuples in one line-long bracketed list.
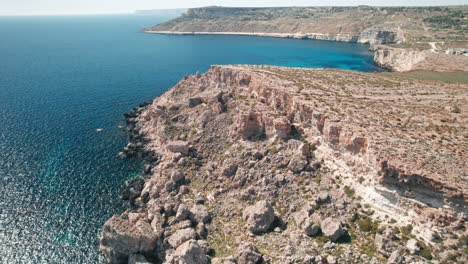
[(61, 78)]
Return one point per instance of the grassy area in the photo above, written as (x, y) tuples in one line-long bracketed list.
[(448, 77)]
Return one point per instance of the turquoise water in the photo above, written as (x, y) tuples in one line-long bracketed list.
[(61, 79)]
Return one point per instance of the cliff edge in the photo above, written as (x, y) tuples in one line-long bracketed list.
[(253, 164)]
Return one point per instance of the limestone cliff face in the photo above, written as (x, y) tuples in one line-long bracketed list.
[(307, 22), (244, 151), (400, 60), (381, 36), (403, 60)]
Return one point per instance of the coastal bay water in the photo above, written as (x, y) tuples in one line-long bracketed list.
[(65, 83)]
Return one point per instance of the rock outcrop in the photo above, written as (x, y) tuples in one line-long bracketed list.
[(297, 165)]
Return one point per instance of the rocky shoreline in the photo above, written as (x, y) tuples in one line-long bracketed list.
[(253, 164), (364, 38)]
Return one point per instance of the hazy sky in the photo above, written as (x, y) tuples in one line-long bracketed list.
[(47, 7)]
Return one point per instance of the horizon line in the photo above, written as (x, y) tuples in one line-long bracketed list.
[(179, 8)]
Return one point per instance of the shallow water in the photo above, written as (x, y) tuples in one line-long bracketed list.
[(64, 78)]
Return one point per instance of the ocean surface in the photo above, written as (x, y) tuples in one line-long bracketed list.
[(64, 78)]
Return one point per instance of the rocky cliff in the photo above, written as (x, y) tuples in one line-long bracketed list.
[(403, 60), (332, 24), (253, 164)]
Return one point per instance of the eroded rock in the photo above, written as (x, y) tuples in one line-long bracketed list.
[(251, 126)]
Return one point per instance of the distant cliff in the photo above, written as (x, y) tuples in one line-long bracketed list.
[(324, 23), (415, 28)]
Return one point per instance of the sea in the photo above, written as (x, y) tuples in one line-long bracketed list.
[(65, 82)]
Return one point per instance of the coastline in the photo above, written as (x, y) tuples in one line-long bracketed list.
[(313, 36)]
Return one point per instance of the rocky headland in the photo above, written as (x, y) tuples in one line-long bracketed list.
[(408, 38), (261, 164)]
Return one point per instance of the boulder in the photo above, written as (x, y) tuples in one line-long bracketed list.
[(189, 252), (182, 225), (331, 259), (183, 213), (147, 169), (297, 163), (332, 229), (230, 169), (120, 239), (177, 176), (181, 236), (412, 246), (382, 245), (259, 217), (304, 149), (179, 146), (248, 254), (310, 225), (201, 230), (199, 214), (195, 101), (396, 257)]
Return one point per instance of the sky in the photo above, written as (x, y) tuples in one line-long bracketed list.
[(64, 7)]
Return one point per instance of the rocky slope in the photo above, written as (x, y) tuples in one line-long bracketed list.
[(252, 164), (416, 28)]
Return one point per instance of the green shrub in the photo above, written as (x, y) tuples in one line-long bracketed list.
[(367, 225), (426, 251), (406, 230), (349, 192)]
